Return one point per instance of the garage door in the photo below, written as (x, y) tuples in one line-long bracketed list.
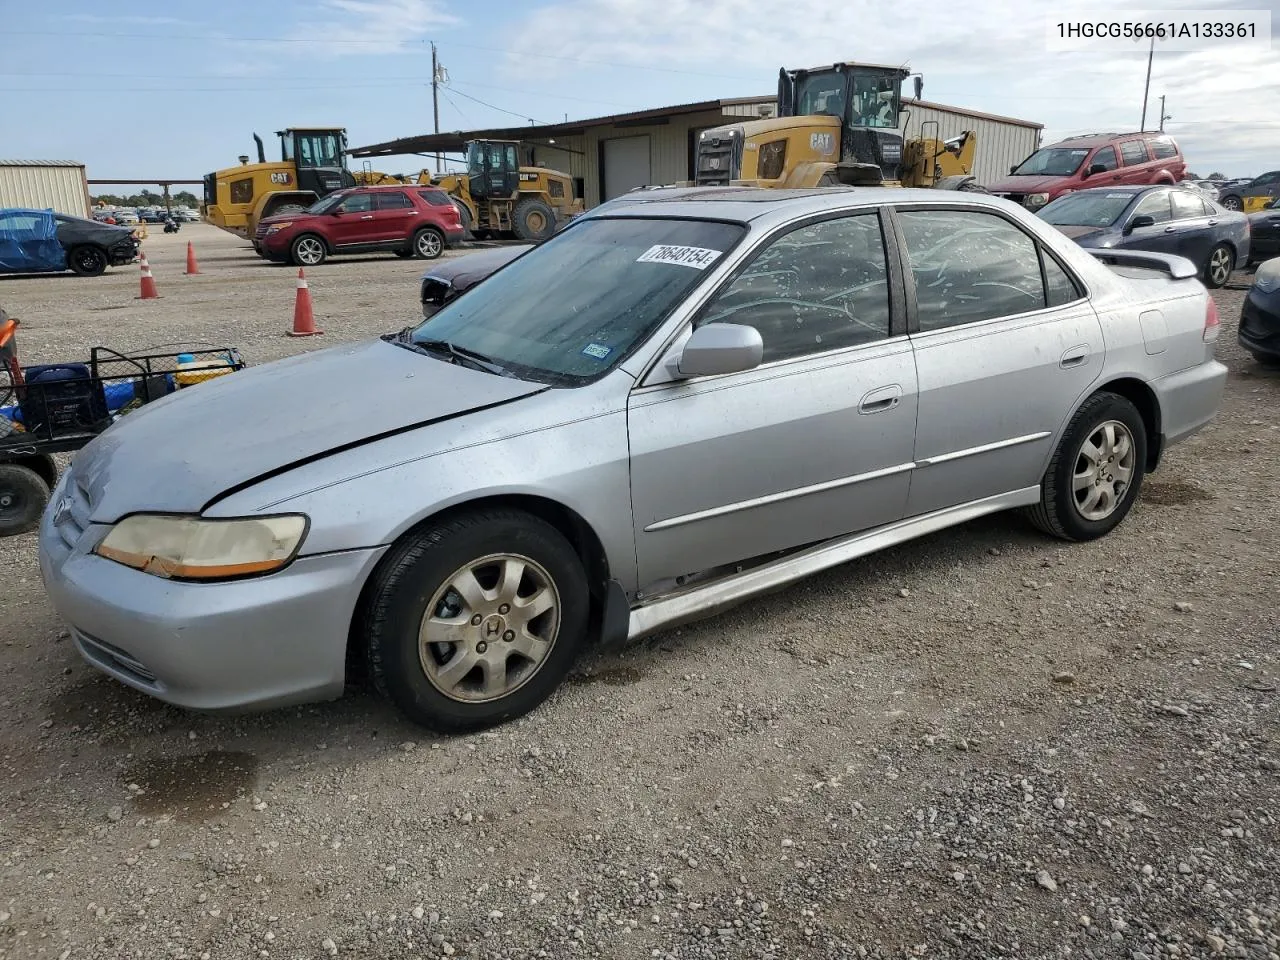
[(626, 165)]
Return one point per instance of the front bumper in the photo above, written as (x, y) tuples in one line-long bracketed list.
[(243, 645), (1260, 323), (123, 253)]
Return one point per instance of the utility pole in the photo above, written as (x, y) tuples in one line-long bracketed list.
[(1147, 89), (435, 96), (1163, 116)]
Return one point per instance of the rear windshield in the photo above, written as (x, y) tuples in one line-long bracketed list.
[(1087, 209), (1052, 162), (573, 308)]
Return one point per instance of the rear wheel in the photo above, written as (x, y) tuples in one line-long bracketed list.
[(533, 220), (308, 250), (1217, 269), (476, 620), (23, 497), (1232, 202), (87, 261), (428, 243), (1095, 473)]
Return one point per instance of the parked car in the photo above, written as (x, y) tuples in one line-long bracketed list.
[(1254, 195), (406, 220), (1259, 331), (186, 214), (1163, 219), (1264, 227), (153, 216), (662, 410), (1105, 159), (444, 283), (128, 217), (40, 241)]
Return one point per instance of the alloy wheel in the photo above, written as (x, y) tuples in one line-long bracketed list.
[(489, 628), (309, 251), (1103, 470), (1220, 266), (428, 245)]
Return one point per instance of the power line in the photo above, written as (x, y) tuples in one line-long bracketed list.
[(493, 107)]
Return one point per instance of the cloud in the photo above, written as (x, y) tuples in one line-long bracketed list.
[(988, 55), (369, 27)]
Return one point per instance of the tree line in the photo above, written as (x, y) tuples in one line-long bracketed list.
[(147, 198)]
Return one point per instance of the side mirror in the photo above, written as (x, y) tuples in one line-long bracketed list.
[(919, 86), (336, 212), (718, 348), (1141, 220), (1095, 169)]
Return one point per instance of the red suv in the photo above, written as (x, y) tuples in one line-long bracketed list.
[(409, 221), (1096, 160)]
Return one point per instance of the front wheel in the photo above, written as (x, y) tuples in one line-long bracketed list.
[(1232, 203), (23, 497), (87, 261), (308, 250), (1096, 472), (1217, 269), (428, 243), (476, 620)]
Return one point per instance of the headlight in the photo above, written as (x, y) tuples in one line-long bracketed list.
[(1267, 278), (194, 548), (1037, 199), (276, 227), (772, 158)]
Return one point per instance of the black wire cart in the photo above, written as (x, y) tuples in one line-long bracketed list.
[(59, 407)]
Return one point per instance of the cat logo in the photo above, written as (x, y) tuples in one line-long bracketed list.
[(823, 143), (280, 178)]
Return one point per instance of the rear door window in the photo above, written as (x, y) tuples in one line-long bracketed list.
[(1134, 152), (392, 200), (1185, 206)]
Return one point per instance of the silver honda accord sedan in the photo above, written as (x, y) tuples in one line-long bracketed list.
[(669, 406)]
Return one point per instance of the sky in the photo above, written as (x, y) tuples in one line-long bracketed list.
[(177, 89)]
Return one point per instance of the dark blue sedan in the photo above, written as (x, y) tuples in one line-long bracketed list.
[(1260, 316), (1161, 218), (1265, 241)]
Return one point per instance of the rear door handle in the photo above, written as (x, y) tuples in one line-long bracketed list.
[(882, 398), (1075, 357)]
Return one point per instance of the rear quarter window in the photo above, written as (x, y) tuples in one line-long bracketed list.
[(1163, 149)]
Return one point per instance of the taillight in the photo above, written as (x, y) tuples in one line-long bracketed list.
[(1211, 322)]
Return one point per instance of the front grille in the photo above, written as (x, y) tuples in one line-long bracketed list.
[(260, 231), (113, 659), (719, 159)]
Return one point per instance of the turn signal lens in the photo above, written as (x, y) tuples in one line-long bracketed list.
[(195, 548)]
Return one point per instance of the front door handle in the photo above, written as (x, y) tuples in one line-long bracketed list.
[(367, 217), (1213, 223), (882, 398), (1075, 357), (1170, 229)]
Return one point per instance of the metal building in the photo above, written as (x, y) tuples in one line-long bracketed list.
[(607, 156), (44, 184)]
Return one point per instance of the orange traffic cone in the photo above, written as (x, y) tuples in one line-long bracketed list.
[(148, 282), (304, 320), (192, 267)]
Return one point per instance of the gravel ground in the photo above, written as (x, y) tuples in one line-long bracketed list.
[(981, 744)]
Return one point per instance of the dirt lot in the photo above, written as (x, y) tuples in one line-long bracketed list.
[(982, 744)]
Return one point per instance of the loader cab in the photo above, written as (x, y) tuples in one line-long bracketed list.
[(867, 99), (320, 158), (493, 169)]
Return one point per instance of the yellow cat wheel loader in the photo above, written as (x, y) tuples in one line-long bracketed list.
[(497, 197), (836, 125), (313, 164)]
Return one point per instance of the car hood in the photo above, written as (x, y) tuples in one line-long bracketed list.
[(180, 453), (465, 271), (1259, 217), (1087, 236), (1025, 185), (288, 217)]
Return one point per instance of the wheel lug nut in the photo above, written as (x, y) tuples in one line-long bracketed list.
[(475, 621), (509, 636), (504, 609), (481, 647)]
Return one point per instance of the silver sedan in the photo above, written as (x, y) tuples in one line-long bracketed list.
[(669, 406)]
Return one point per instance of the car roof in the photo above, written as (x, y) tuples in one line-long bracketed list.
[(746, 204), (1102, 139)]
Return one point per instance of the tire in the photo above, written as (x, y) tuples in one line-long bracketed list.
[(307, 250), (1060, 513), (1269, 360), (87, 261), (1217, 269), (427, 244), (464, 215), (23, 496), (533, 220), (417, 576), (1232, 202)]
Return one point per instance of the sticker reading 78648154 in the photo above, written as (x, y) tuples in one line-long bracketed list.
[(697, 257)]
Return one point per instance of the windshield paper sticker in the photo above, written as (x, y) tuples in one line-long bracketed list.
[(597, 350), (697, 257)]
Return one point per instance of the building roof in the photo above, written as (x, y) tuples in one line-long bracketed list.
[(997, 118), (454, 141), (40, 163)]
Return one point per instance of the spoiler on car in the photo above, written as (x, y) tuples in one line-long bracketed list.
[(1178, 268)]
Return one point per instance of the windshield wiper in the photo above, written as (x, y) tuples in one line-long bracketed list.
[(459, 354)]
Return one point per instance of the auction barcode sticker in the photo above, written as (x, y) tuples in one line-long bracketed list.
[(697, 257)]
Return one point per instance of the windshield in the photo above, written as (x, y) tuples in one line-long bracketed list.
[(574, 307), (1087, 209), (1052, 162), (821, 93), (327, 204)]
